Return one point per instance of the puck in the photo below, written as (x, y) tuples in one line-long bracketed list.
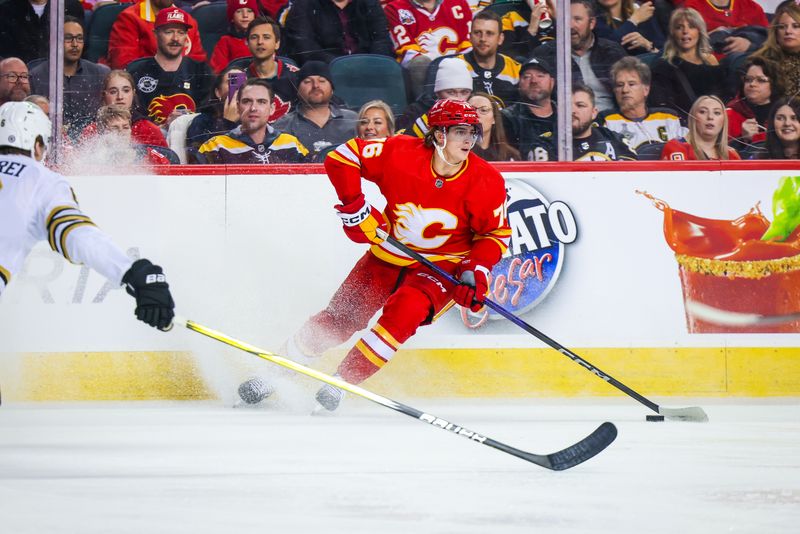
[(655, 418)]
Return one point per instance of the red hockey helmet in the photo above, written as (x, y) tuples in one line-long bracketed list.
[(449, 112)]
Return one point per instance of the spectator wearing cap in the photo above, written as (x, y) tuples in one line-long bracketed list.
[(535, 114), (25, 27), (492, 73), (453, 81), (263, 40), (132, 34), (170, 84), (326, 29), (592, 56), (318, 123), (15, 83), (233, 45), (83, 80)]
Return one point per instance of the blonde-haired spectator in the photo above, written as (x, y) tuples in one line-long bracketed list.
[(708, 134), (375, 120), (782, 46)]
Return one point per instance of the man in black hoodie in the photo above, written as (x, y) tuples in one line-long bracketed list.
[(25, 31)]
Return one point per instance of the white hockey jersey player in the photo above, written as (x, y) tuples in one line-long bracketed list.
[(37, 204)]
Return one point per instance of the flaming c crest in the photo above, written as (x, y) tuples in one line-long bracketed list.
[(162, 106)]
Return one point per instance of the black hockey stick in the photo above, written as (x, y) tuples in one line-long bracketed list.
[(693, 413), (557, 461)]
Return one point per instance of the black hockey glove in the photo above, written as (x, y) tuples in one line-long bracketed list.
[(147, 284)]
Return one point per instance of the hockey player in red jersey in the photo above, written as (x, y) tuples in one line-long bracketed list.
[(442, 201)]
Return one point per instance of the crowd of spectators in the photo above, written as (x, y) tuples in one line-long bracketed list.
[(654, 79)]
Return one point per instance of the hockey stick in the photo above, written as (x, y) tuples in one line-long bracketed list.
[(573, 455), (711, 314), (694, 413)]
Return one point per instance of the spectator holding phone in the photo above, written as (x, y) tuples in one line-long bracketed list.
[(687, 68), (254, 140), (220, 113), (708, 134), (233, 44), (629, 24), (749, 111)]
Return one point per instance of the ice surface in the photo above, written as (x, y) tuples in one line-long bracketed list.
[(203, 468)]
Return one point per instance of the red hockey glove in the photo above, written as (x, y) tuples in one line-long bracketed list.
[(360, 220), (471, 292)]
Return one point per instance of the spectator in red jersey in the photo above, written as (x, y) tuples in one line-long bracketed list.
[(114, 125), (118, 89), (708, 134), (423, 30), (748, 112), (272, 8), (737, 25), (132, 35), (233, 45), (783, 46), (326, 29), (687, 68)]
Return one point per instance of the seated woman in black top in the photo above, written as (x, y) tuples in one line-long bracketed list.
[(687, 69), (783, 132)]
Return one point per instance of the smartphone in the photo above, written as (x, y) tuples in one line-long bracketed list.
[(235, 81)]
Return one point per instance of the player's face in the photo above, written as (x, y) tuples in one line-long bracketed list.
[(787, 33), (581, 26), (15, 82), (73, 42), (171, 40), (629, 90), (373, 125), (120, 128), (118, 92), (536, 85), (583, 113), (242, 17), (460, 140), (709, 119), (757, 88), (485, 112), (787, 125), (485, 37), (255, 108), (262, 42), (315, 91), (686, 36)]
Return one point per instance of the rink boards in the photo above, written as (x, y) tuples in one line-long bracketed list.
[(254, 255)]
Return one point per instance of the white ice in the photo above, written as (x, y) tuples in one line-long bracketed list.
[(205, 468)]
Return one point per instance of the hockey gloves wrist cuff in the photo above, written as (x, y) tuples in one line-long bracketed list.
[(360, 221), (474, 284), (147, 284)]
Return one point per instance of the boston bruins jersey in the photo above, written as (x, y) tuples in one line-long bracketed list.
[(501, 81), (601, 145), (236, 147), (37, 204), (659, 126)]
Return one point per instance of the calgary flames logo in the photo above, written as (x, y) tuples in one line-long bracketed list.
[(439, 42), (414, 221), (162, 106), (279, 108)]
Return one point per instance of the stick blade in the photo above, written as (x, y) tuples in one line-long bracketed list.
[(587, 448), (694, 414)]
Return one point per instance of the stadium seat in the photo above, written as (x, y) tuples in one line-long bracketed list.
[(359, 78), (212, 23), (649, 151), (32, 63), (100, 29)]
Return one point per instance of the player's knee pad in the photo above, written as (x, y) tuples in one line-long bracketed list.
[(405, 311)]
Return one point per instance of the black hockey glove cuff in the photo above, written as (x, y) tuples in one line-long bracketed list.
[(147, 284)]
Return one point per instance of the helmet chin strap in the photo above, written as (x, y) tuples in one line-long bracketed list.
[(440, 149)]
